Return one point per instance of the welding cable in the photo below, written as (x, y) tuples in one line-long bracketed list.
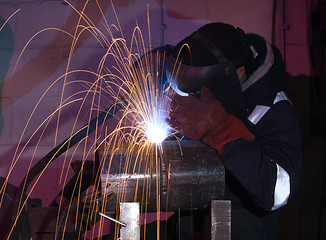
[(20, 197)]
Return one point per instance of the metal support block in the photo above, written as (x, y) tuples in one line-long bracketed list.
[(129, 215), (221, 220)]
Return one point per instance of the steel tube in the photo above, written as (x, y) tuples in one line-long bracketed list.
[(183, 175)]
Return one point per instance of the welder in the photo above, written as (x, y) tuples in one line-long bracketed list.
[(261, 142)]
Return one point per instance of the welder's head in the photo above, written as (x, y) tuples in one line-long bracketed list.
[(206, 43), (210, 57)]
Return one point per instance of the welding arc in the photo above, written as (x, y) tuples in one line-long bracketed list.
[(56, 152)]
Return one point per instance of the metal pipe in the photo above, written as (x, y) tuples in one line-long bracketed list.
[(188, 175)]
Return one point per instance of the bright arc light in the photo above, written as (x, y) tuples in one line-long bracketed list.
[(157, 133)]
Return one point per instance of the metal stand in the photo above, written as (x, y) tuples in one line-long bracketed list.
[(129, 215), (220, 217), (220, 220)]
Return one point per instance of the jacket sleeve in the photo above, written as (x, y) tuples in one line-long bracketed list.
[(269, 168)]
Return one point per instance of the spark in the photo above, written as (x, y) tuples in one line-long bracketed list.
[(126, 71), (1, 27)]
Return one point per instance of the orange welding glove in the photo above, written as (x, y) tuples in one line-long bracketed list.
[(205, 119)]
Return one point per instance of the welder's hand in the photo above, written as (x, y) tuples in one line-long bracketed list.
[(194, 117), (205, 119)]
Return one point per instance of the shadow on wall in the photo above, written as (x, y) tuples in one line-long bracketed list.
[(298, 89), (306, 94), (6, 52), (305, 214)]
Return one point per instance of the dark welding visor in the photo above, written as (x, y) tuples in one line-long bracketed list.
[(221, 79)]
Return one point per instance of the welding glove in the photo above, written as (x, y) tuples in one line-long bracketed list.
[(205, 119)]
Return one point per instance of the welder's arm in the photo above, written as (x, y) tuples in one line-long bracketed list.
[(205, 119), (268, 168)]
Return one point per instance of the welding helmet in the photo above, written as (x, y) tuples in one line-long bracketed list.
[(210, 57)]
